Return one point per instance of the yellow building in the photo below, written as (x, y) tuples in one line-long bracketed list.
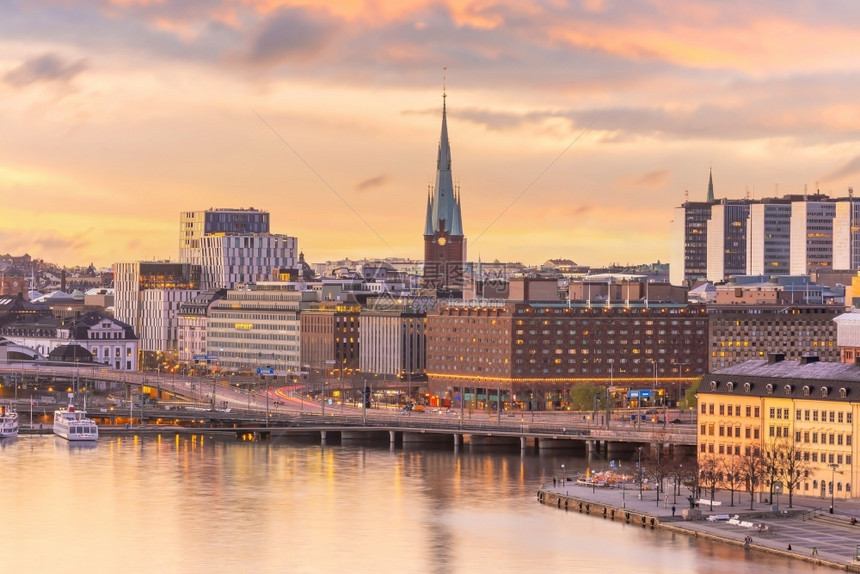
[(776, 409)]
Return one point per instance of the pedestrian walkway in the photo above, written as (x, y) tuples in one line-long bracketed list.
[(804, 525)]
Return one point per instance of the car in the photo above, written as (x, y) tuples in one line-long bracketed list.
[(418, 408)]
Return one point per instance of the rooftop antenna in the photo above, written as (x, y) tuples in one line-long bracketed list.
[(686, 195), (850, 192)]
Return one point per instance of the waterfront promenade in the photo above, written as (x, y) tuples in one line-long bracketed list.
[(807, 525)]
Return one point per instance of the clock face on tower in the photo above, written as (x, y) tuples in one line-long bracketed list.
[(441, 241)]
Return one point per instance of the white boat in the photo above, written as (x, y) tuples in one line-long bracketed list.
[(8, 422), (74, 425)]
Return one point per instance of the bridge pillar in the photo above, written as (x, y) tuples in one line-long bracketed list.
[(322, 437), (392, 437), (458, 439), (523, 443)]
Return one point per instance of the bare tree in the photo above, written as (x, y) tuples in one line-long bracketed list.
[(682, 468), (709, 475), (657, 464), (794, 467), (730, 471), (771, 465), (752, 472)]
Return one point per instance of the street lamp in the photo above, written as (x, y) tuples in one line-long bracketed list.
[(562, 475), (639, 467)]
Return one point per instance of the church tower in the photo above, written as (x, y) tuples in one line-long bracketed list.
[(444, 243)]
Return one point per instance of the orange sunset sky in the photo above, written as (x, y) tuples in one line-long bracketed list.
[(575, 126)]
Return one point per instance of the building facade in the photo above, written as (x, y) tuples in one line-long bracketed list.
[(846, 233), (330, 337), (393, 343), (534, 352), (769, 238), (812, 234), (109, 341), (194, 225), (254, 327), (232, 260), (147, 296), (738, 333), (804, 411), (727, 239)]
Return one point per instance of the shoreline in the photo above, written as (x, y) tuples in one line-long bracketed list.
[(801, 526)]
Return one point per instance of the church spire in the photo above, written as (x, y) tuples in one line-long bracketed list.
[(710, 184), (443, 201), (428, 224)]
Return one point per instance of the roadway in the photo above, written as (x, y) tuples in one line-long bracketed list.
[(206, 398)]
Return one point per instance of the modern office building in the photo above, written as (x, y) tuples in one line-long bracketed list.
[(228, 261), (689, 246), (256, 326), (330, 337), (193, 319), (393, 342), (147, 296), (811, 234), (194, 225), (846, 233), (727, 239), (769, 237), (740, 332)]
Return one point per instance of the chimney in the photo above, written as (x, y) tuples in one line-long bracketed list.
[(808, 359), (775, 358)]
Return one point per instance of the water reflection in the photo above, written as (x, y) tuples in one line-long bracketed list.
[(198, 504)]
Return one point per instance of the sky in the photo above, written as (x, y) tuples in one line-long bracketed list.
[(575, 126)]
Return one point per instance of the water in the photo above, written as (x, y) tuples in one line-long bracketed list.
[(192, 504)]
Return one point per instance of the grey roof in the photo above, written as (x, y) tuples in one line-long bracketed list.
[(817, 371), (786, 379)]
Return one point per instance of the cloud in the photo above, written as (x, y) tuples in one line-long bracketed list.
[(51, 241), (290, 34), (653, 179), (46, 68), (849, 169), (372, 183)]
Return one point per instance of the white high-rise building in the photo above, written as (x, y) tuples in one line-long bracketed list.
[(256, 326), (392, 342), (231, 260), (769, 238), (147, 297), (194, 225), (846, 233), (727, 240), (812, 234)]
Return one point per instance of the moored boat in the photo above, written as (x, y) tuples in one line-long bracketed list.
[(74, 425), (8, 422)]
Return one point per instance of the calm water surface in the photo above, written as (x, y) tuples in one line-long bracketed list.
[(193, 504)]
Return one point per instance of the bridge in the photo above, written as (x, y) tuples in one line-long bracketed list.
[(222, 408)]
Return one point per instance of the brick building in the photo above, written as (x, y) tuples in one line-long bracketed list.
[(533, 352)]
